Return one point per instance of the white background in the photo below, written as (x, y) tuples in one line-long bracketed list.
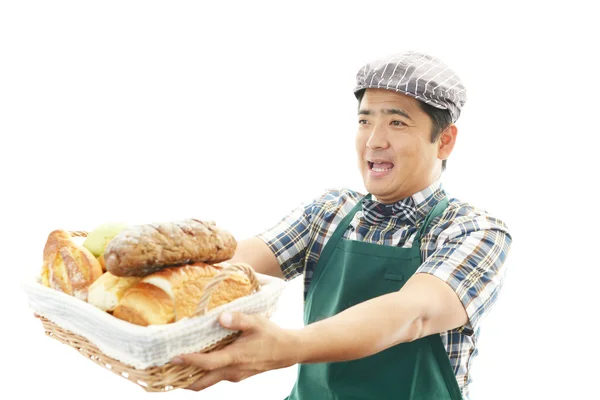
[(237, 112)]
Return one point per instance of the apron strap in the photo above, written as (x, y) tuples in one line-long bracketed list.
[(338, 233), (435, 212), (441, 355), (435, 341)]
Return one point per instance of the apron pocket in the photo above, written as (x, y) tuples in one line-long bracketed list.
[(393, 276)]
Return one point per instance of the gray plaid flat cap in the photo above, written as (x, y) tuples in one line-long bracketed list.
[(419, 75)]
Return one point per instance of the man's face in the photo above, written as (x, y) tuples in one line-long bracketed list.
[(395, 154)]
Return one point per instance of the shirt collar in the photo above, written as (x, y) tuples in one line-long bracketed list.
[(410, 209)]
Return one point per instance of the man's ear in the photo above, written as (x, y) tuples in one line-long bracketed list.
[(446, 141)]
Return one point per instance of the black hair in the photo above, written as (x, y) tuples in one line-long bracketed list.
[(440, 119)]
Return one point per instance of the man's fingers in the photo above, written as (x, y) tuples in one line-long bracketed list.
[(213, 377), (207, 380), (207, 361), (225, 357), (238, 321)]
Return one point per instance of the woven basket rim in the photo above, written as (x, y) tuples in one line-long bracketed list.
[(153, 379)]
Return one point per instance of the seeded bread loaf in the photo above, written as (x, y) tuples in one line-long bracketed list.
[(143, 249)]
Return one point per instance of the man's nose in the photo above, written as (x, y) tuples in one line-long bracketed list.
[(378, 138)]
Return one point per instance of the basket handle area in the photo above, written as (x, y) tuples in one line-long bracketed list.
[(220, 277)]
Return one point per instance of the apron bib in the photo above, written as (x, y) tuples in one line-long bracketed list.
[(348, 273)]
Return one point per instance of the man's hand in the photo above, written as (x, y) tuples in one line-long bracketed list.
[(262, 346)]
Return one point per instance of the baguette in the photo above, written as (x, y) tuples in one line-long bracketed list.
[(144, 249), (174, 293)]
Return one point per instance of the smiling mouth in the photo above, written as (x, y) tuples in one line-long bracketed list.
[(380, 166)]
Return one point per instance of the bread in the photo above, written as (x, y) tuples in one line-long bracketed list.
[(101, 261), (67, 266), (175, 292), (143, 249), (106, 292), (145, 304)]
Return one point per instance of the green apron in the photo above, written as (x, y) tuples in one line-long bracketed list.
[(348, 273)]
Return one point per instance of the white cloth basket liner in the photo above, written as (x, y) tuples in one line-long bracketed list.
[(154, 345)]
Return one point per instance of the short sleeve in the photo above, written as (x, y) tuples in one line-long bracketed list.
[(288, 240), (471, 260), (298, 239)]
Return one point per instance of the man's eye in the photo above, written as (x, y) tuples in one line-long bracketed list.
[(362, 121), (398, 123)]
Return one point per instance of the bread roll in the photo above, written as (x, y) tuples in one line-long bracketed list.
[(67, 266), (106, 292), (145, 304), (101, 261), (174, 293), (143, 249)]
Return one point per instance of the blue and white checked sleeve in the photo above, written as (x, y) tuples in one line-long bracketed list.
[(469, 256)]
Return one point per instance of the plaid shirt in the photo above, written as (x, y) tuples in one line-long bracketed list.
[(465, 247)]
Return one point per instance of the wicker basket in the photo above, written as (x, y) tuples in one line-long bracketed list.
[(157, 378)]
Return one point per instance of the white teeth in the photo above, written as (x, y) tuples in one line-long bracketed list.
[(381, 169)]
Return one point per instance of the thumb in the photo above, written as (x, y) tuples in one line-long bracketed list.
[(237, 321)]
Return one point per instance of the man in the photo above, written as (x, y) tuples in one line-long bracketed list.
[(396, 282)]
